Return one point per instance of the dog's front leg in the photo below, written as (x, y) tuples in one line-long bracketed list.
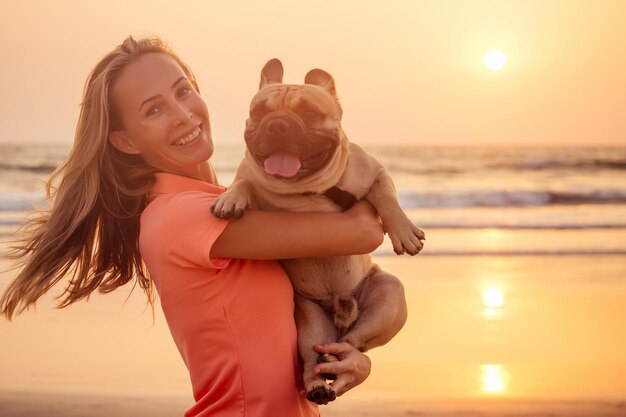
[(234, 202), (405, 236), (315, 326)]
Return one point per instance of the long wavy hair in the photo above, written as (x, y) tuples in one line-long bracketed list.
[(89, 232)]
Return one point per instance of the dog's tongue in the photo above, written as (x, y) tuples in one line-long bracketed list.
[(282, 164)]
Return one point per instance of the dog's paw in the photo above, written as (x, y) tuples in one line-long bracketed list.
[(321, 394), (406, 238), (230, 205)]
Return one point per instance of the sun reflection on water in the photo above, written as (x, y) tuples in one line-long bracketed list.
[(493, 378), (493, 299)]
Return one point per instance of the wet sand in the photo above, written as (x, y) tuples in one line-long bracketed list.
[(63, 404), (54, 404), (486, 336)]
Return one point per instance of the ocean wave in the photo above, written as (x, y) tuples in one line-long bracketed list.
[(562, 164), (539, 164), (18, 201), (529, 226), (394, 167), (551, 253), (451, 160), (38, 168), (504, 198), (409, 199), (10, 222)]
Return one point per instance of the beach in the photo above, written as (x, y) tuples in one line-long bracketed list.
[(516, 305), (53, 404), (552, 345)]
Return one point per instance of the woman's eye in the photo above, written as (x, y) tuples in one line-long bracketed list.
[(185, 91), (153, 110)]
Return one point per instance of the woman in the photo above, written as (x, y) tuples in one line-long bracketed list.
[(137, 187)]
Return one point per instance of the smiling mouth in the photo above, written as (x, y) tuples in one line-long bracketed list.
[(195, 134)]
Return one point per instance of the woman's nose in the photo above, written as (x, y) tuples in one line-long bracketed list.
[(182, 114)]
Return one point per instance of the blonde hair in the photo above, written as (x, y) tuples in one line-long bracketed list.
[(90, 230)]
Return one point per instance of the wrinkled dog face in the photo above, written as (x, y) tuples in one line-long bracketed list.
[(293, 130)]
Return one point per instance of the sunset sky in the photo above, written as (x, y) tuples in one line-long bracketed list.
[(408, 72)]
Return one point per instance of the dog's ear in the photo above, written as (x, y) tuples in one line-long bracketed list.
[(323, 79), (272, 73)]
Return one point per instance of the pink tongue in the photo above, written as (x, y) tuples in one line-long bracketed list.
[(282, 164)]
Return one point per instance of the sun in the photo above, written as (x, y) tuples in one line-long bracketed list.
[(494, 59)]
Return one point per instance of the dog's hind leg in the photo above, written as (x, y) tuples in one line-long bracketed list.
[(383, 311), (315, 326)]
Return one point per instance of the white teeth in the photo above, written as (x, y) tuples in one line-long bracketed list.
[(193, 135)]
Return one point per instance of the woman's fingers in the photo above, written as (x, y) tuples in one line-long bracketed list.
[(337, 348), (343, 384), (345, 371), (336, 368)]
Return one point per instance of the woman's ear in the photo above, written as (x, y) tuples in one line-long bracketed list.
[(119, 141)]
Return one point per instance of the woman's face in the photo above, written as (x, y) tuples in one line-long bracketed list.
[(164, 118)]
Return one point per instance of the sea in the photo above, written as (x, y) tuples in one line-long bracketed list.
[(470, 201)]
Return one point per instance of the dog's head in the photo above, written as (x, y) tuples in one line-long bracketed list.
[(294, 130)]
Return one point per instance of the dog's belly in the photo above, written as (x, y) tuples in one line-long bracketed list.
[(321, 278), (317, 278)]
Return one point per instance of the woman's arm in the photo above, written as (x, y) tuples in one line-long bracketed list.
[(284, 235)]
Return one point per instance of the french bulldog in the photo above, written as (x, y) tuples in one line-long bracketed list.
[(298, 158)]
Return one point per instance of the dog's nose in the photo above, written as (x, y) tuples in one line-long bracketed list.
[(277, 126)]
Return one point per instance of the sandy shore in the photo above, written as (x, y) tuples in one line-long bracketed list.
[(55, 404), (486, 336), (51, 404)]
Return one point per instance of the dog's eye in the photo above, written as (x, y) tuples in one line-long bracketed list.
[(311, 115)]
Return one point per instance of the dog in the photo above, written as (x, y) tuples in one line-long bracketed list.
[(298, 158)]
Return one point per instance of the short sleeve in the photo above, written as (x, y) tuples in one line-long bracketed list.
[(189, 230)]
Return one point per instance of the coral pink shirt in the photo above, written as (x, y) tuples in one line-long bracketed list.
[(232, 319)]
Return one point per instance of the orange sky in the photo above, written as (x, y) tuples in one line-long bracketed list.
[(406, 71)]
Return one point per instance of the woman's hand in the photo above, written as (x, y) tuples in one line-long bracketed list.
[(352, 368)]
